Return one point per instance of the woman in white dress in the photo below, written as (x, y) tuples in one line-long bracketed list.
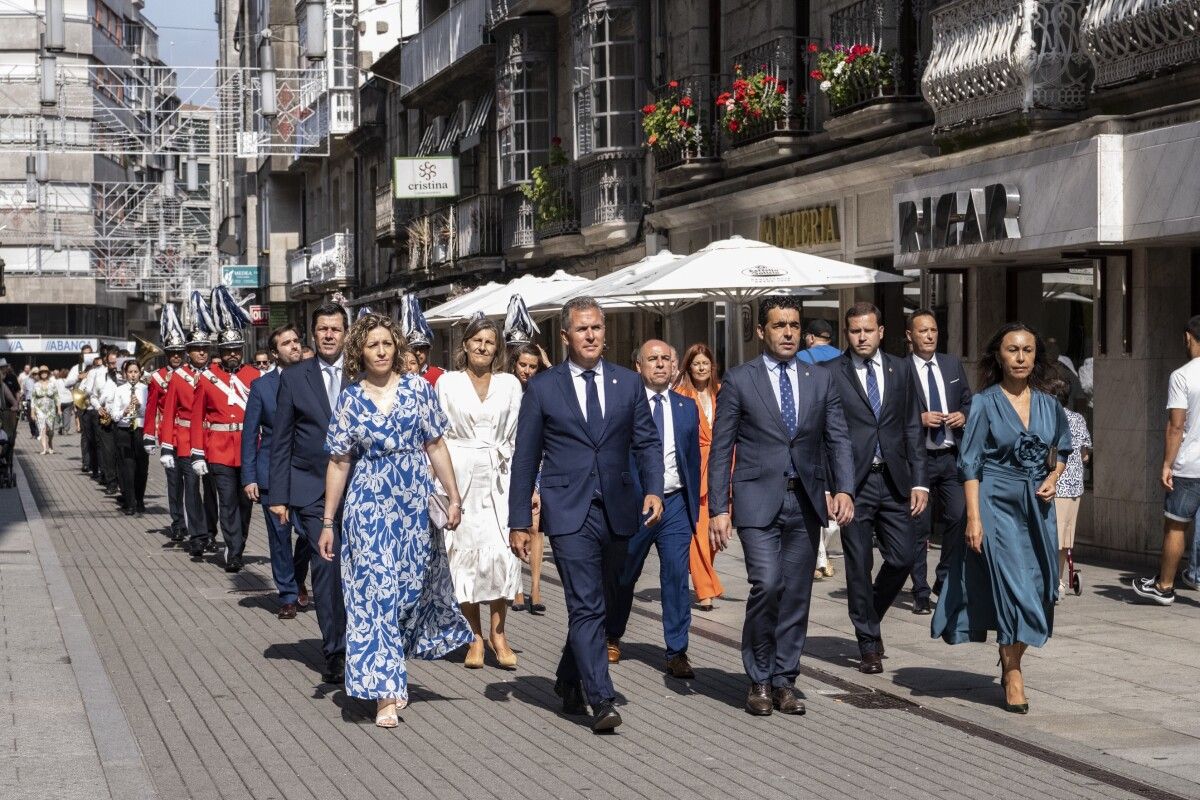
[(481, 401)]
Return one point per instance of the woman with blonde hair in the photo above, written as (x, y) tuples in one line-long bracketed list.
[(698, 380), (481, 400), (399, 599)]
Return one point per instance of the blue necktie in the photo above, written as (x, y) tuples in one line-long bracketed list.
[(874, 399), (787, 402), (658, 418), (595, 417), (935, 403)]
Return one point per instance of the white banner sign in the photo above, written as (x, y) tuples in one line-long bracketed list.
[(414, 178), (56, 344)]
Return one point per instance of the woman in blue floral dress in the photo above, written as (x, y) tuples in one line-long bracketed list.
[(1013, 452), (384, 438)]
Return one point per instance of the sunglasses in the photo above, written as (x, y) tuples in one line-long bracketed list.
[(262, 363)]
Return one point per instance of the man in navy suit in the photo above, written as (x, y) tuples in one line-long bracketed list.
[(879, 399), (289, 567), (308, 393), (580, 421), (945, 395), (792, 473), (678, 422)]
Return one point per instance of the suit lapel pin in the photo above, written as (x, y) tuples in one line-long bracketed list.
[(806, 373)]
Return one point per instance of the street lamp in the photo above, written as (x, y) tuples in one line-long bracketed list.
[(266, 67), (314, 30)]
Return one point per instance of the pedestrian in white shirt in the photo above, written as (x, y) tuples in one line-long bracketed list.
[(125, 404)]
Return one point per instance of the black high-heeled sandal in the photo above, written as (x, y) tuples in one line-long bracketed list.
[(1012, 708)]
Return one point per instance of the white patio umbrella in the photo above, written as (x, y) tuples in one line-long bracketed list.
[(492, 298), (603, 287), (447, 312), (739, 270)]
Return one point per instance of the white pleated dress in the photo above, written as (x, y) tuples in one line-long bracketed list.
[(481, 437)]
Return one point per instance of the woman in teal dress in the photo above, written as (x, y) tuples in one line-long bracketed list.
[(1014, 449)]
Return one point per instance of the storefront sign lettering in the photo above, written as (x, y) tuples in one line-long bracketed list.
[(803, 228), (970, 216)]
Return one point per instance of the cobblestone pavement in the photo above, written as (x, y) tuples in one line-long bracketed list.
[(222, 699)]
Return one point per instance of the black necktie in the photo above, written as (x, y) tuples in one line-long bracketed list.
[(935, 403), (595, 417), (657, 413)]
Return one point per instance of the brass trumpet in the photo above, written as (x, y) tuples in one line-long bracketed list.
[(80, 398)]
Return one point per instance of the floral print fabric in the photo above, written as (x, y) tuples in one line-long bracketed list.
[(399, 599)]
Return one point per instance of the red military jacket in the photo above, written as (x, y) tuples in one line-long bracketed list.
[(218, 414), (175, 424), (432, 373), (156, 395)]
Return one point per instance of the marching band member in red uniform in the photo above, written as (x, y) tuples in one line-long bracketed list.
[(174, 344), (175, 430), (218, 414), (420, 338)]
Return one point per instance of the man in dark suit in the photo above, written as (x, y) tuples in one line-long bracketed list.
[(289, 567), (781, 421), (945, 395), (882, 410), (580, 421), (678, 422), (307, 395)]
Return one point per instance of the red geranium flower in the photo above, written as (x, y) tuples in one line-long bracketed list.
[(686, 102), (556, 141), (673, 84), (812, 47), (781, 88), (733, 126), (817, 75)]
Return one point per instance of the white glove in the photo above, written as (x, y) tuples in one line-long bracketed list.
[(149, 448), (167, 460), (200, 467)]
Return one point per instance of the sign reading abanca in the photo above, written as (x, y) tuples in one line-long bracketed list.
[(970, 216)]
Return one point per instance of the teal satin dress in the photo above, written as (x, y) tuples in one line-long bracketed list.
[(1010, 587)]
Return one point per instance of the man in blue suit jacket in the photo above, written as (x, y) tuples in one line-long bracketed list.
[(289, 568), (308, 393), (579, 422), (784, 418), (945, 395), (678, 421)]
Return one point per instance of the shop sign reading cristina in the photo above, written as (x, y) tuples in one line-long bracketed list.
[(803, 228), (415, 178), (969, 216)]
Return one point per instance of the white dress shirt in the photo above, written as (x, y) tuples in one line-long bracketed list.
[(580, 384), (96, 384), (671, 481), (921, 365), (331, 377), (793, 377), (116, 400), (860, 369)]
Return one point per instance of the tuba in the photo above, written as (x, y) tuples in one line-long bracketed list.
[(145, 352), (80, 398)]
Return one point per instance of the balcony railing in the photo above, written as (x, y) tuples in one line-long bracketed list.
[(892, 28), (701, 140), (331, 260), (557, 212), (448, 38), (385, 213), (998, 57), (516, 231), (297, 266), (1128, 40), (477, 227), (788, 61), (612, 190)]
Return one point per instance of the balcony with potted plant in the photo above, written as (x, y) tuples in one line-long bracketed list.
[(553, 195), (680, 126), (766, 111), (870, 76)]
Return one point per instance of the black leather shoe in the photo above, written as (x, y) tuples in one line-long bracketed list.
[(572, 697), (921, 606), (233, 565), (211, 545), (680, 667), (871, 664), (335, 670), (196, 551), (758, 702), (784, 699), (606, 718)]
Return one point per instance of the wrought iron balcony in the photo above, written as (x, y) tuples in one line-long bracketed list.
[(992, 58), (297, 267), (892, 29), (449, 38), (700, 139), (1129, 40), (477, 227), (516, 232), (331, 260), (612, 190), (385, 213), (787, 60), (556, 206)]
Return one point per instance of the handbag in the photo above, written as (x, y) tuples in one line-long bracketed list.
[(439, 510)]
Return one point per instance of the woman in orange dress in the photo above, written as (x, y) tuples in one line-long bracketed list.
[(697, 380)]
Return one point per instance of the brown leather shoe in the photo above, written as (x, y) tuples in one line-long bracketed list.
[(679, 667), (758, 702), (870, 664), (614, 651), (302, 596), (287, 611), (785, 701)]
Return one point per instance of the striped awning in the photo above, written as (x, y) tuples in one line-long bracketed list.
[(452, 132), (479, 116), (430, 139)]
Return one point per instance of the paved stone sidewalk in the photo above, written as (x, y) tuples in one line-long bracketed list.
[(223, 699)]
